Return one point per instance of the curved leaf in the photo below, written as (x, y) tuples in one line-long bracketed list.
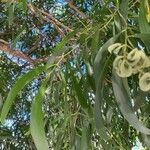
[(37, 120), (122, 98), (140, 99), (84, 143), (80, 95), (143, 24), (17, 87), (100, 64), (11, 8), (146, 139), (60, 46), (37, 117)]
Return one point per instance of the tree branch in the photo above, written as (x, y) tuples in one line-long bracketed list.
[(57, 24), (71, 5), (55, 20), (4, 46)]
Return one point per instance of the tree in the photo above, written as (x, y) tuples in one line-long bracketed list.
[(74, 74)]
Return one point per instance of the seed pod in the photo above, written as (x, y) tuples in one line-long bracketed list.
[(137, 60), (147, 62), (114, 48), (123, 69), (144, 82), (117, 62), (135, 56), (137, 68)]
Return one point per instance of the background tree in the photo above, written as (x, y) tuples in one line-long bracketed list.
[(71, 77)]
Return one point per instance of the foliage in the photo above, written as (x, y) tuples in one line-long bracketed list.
[(74, 75)]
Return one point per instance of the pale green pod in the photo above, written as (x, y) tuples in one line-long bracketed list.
[(135, 69), (137, 59), (141, 63), (117, 62), (147, 62), (134, 56), (139, 66), (123, 69), (114, 48), (144, 82)]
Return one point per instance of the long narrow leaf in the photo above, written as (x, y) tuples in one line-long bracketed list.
[(100, 65), (144, 24), (81, 98), (122, 98), (37, 117), (84, 144), (60, 46), (11, 9), (17, 87), (37, 120)]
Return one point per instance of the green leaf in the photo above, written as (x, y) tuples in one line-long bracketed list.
[(140, 99), (109, 115), (11, 8), (16, 38), (81, 98), (121, 16), (90, 83), (100, 66), (17, 87), (60, 46), (37, 116), (37, 120), (84, 144), (124, 9), (146, 139), (122, 98), (95, 42), (24, 5), (143, 23)]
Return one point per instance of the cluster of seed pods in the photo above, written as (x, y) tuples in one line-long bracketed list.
[(132, 62)]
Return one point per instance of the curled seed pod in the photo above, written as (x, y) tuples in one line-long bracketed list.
[(117, 62), (123, 69), (147, 62), (135, 56), (141, 63), (137, 60), (137, 68), (114, 48), (144, 82)]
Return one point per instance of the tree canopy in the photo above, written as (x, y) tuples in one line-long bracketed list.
[(74, 75)]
